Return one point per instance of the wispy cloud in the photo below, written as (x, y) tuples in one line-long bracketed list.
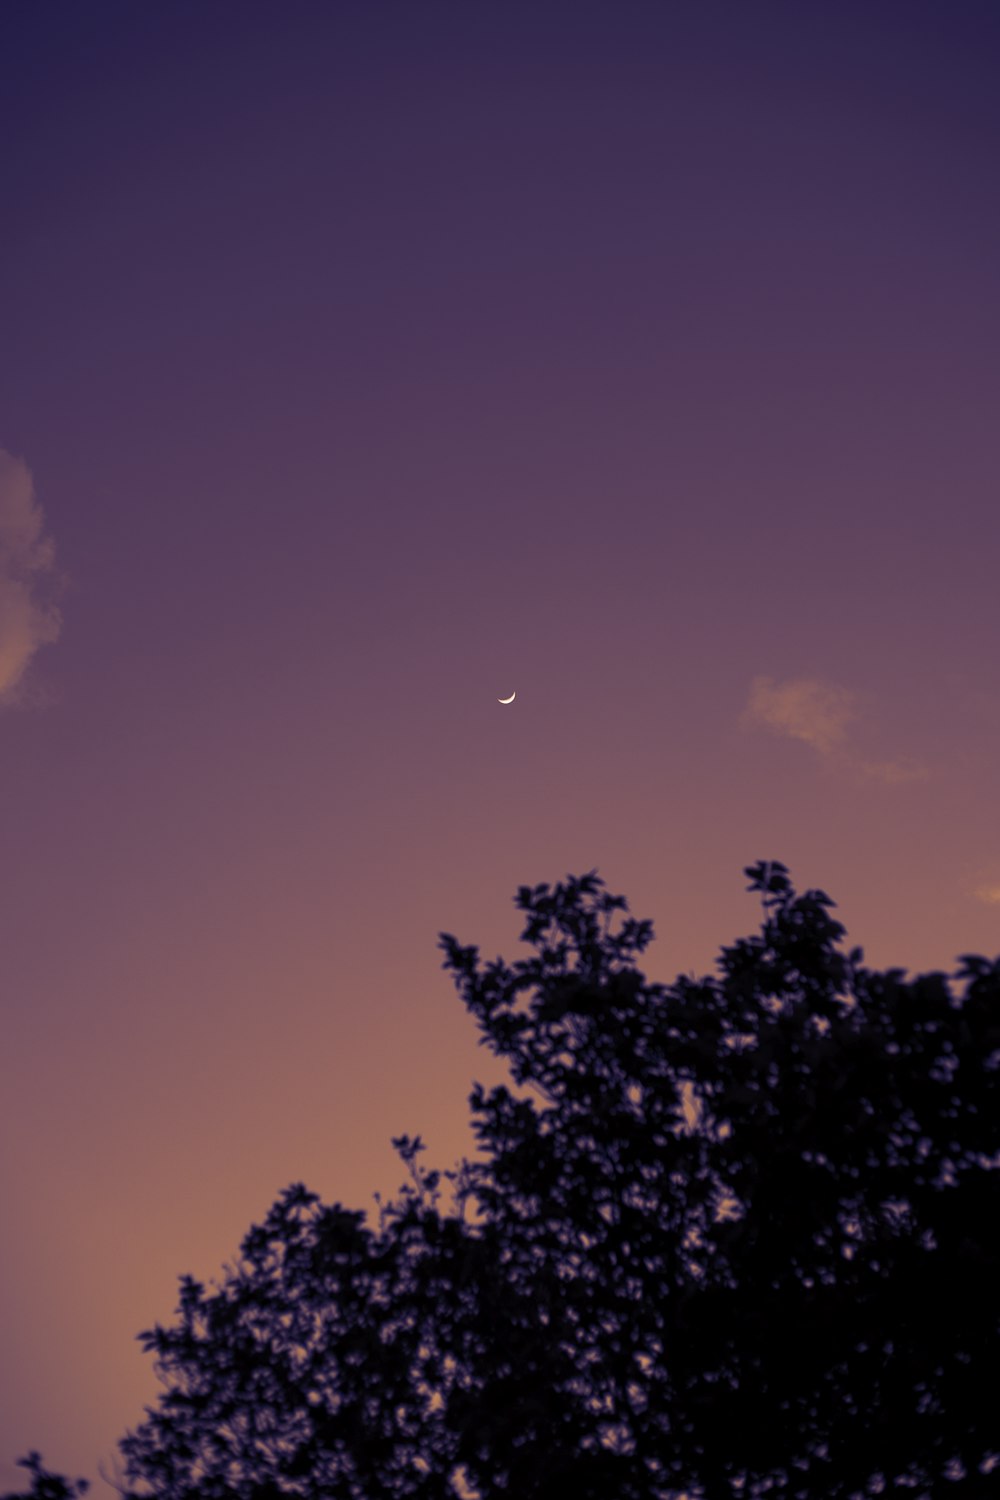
[(803, 708), (892, 772), (982, 882), (28, 618), (820, 714)]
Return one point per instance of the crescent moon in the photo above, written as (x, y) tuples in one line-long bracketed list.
[(507, 700)]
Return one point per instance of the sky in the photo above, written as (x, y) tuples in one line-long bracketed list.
[(361, 365)]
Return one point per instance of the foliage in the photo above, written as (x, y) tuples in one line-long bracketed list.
[(734, 1236), (46, 1486)]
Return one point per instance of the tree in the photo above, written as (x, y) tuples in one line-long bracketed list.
[(734, 1236), (46, 1486)]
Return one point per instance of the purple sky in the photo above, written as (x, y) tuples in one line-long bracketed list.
[(359, 365)]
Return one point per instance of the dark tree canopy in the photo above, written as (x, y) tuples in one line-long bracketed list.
[(733, 1236), (47, 1486)]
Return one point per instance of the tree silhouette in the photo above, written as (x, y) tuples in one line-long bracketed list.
[(46, 1486), (732, 1237)]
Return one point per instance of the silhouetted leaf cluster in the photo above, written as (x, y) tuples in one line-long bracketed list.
[(47, 1486), (732, 1237)]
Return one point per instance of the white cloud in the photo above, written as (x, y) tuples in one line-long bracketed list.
[(28, 619), (988, 893)]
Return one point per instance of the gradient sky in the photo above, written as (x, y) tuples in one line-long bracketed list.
[(361, 363)]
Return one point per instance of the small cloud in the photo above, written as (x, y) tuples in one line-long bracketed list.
[(894, 772), (28, 619), (988, 893), (803, 708), (818, 713)]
